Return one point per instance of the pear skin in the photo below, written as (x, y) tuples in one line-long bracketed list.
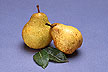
[(66, 38), (35, 33)]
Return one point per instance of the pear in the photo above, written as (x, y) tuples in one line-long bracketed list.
[(35, 33), (66, 38)]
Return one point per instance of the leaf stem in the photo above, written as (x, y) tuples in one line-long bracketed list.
[(40, 54)]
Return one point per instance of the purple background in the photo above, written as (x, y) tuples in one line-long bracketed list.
[(89, 16)]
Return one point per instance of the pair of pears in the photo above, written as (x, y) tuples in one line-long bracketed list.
[(39, 32)]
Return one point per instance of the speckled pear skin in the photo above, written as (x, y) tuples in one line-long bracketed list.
[(66, 38), (35, 33)]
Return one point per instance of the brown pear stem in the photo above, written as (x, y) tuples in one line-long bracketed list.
[(49, 25), (38, 8)]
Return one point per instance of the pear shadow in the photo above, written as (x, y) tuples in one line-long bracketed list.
[(30, 49), (25, 48), (73, 55)]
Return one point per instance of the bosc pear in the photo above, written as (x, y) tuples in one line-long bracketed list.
[(35, 33), (66, 38)]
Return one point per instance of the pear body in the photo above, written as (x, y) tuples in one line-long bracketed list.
[(35, 33), (66, 38)]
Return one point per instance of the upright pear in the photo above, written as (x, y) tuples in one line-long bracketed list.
[(35, 33), (66, 38)]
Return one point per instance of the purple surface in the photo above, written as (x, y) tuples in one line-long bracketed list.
[(89, 16)]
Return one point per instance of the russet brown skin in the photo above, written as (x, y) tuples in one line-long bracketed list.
[(66, 38)]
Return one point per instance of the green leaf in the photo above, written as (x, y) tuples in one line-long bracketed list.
[(41, 58), (56, 55)]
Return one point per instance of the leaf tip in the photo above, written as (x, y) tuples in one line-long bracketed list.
[(43, 67)]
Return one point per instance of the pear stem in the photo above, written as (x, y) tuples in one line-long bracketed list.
[(38, 8), (49, 25)]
